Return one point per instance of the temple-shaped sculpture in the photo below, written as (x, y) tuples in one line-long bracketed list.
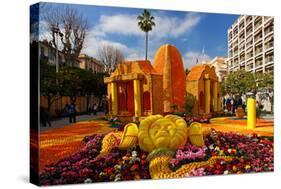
[(202, 82), (135, 89), (138, 88)]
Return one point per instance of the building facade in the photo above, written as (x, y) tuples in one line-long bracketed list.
[(251, 44), (89, 63), (48, 53), (220, 65)]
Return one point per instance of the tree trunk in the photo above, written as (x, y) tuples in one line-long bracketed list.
[(146, 44)]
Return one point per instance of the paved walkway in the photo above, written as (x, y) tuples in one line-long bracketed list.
[(65, 121), (264, 127), (64, 140)]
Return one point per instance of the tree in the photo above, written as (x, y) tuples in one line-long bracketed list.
[(145, 23), (239, 82), (189, 101), (49, 86), (110, 56), (73, 27), (265, 84)]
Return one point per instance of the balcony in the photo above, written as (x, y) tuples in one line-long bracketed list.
[(268, 31), (249, 19), (249, 66), (242, 48), (258, 64), (250, 43), (258, 37), (258, 23), (249, 31), (269, 59), (258, 50), (269, 45), (267, 18)]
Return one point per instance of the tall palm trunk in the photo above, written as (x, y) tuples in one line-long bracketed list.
[(146, 44)]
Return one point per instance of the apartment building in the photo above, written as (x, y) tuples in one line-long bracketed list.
[(90, 63), (251, 44)]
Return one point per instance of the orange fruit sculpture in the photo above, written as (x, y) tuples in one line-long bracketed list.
[(168, 62)]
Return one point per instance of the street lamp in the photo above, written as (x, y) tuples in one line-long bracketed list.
[(56, 31)]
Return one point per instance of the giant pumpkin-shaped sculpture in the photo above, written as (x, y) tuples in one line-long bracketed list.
[(157, 131), (168, 61)]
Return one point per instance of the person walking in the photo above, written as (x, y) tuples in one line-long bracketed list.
[(45, 117), (232, 102), (72, 113), (95, 109)]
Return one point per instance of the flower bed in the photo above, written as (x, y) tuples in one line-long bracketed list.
[(200, 119), (85, 166), (251, 153)]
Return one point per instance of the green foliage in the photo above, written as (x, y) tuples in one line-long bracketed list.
[(70, 82), (145, 21), (189, 103), (174, 107), (265, 81), (239, 82)]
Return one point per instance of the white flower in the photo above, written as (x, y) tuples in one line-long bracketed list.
[(88, 180), (211, 146), (225, 172)]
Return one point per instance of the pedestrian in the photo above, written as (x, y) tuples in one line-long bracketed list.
[(232, 105), (66, 109), (72, 113), (95, 108), (228, 104), (45, 117)]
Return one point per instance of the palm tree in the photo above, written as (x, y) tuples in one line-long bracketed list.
[(145, 22)]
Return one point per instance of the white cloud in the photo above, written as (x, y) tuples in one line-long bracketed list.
[(192, 57), (93, 42), (126, 24), (174, 26)]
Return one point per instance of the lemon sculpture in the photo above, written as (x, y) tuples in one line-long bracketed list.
[(161, 136), (129, 137), (157, 131), (196, 134)]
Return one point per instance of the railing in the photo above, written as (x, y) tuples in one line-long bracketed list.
[(258, 50), (269, 45), (269, 59), (258, 63), (268, 30)]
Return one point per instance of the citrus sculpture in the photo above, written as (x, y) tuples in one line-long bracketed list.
[(161, 136), (162, 132)]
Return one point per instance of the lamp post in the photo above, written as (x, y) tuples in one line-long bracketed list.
[(56, 31)]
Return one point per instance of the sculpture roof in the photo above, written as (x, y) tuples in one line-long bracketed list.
[(198, 70), (138, 66)]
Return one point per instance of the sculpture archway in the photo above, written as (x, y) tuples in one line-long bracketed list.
[(146, 101)]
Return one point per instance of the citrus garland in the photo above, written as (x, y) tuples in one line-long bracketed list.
[(159, 164), (159, 159)]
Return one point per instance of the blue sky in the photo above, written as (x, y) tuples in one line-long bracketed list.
[(191, 32)]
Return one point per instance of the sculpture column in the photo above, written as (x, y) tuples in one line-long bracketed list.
[(114, 98), (207, 95), (137, 98), (215, 96)]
